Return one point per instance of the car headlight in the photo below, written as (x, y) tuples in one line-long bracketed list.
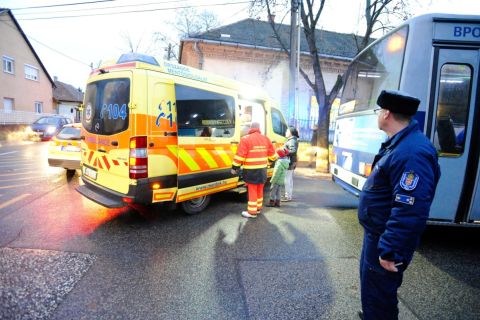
[(51, 130)]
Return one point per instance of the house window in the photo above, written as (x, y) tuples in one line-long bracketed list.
[(38, 107), (8, 65), (7, 105), (31, 72)]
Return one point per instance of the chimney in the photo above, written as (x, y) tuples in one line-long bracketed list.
[(271, 18), (55, 78)]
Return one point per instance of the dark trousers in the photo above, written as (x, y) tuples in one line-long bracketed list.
[(378, 286)]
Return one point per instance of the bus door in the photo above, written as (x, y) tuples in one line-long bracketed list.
[(454, 130)]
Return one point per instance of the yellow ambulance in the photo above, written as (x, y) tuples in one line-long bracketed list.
[(156, 131)]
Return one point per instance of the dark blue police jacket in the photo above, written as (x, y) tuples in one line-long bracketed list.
[(396, 198)]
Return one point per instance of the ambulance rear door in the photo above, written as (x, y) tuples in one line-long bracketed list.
[(108, 126)]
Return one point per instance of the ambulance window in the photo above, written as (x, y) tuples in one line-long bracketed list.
[(202, 113), (278, 123), (106, 106)]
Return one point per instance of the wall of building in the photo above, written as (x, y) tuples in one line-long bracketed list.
[(25, 92), (265, 68)]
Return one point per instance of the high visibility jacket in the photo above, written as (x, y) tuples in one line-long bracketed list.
[(253, 153)]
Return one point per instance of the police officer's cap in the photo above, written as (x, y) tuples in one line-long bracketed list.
[(398, 102)]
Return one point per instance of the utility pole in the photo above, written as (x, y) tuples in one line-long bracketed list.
[(294, 59)]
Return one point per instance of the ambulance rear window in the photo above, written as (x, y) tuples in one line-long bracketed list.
[(106, 106)]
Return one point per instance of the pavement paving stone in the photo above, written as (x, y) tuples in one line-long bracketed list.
[(34, 282)]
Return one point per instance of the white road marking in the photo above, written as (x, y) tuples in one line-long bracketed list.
[(2, 154), (15, 186), (16, 199)]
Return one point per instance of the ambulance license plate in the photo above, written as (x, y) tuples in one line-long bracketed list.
[(91, 173)]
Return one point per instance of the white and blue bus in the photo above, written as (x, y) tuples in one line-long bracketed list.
[(436, 58)]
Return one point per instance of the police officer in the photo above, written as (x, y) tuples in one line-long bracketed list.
[(394, 204)]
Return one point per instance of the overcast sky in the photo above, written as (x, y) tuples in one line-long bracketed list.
[(67, 46)]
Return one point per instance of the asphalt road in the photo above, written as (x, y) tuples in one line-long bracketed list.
[(64, 257)]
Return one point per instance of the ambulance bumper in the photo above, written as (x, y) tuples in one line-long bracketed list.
[(102, 197)]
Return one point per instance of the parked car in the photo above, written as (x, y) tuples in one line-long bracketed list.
[(64, 148), (47, 127)]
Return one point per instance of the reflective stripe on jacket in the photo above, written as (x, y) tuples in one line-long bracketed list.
[(253, 151)]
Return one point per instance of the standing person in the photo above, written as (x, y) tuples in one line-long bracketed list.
[(394, 204), (278, 177), (292, 146), (253, 153)]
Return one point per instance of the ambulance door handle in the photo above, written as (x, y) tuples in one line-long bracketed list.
[(273, 141), (115, 143), (101, 150), (234, 142)]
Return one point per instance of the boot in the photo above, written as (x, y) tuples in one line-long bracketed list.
[(276, 203), (271, 203)]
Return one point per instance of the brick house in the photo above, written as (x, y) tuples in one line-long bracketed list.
[(249, 52), (25, 85)]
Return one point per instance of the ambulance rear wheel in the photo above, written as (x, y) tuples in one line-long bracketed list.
[(196, 205)]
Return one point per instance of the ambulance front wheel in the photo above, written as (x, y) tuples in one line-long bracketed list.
[(196, 205)]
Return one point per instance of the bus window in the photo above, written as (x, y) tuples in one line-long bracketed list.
[(377, 68), (452, 110), (202, 113)]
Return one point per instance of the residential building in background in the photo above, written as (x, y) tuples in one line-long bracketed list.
[(26, 89), (67, 100), (248, 51)]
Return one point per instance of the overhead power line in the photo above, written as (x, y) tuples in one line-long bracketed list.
[(99, 8), (48, 47), (136, 11), (62, 5)]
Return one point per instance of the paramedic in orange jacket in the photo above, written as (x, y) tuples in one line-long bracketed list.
[(253, 153)]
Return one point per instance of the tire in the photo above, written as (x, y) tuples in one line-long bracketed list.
[(71, 172), (195, 206)]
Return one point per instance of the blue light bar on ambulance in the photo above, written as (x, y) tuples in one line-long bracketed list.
[(131, 57)]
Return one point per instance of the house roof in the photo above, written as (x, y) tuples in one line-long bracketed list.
[(9, 12), (258, 33), (66, 92)]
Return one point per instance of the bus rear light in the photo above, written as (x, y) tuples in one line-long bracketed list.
[(138, 160), (155, 186)]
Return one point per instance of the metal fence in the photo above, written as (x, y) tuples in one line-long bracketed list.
[(19, 117), (305, 129)]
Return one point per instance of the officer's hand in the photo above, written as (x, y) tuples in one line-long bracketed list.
[(388, 265), (234, 172)]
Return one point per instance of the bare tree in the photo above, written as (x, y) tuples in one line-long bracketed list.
[(378, 17), (189, 21), (310, 12)]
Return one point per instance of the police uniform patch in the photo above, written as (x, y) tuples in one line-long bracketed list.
[(404, 199), (409, 181)]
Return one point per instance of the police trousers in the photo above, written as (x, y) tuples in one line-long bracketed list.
[(378, 286)]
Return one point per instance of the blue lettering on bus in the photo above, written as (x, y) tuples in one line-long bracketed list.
[(113, 111), (167, 114), (466, 31)]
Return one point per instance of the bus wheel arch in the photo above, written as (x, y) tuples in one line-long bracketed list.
[(195, 206)]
